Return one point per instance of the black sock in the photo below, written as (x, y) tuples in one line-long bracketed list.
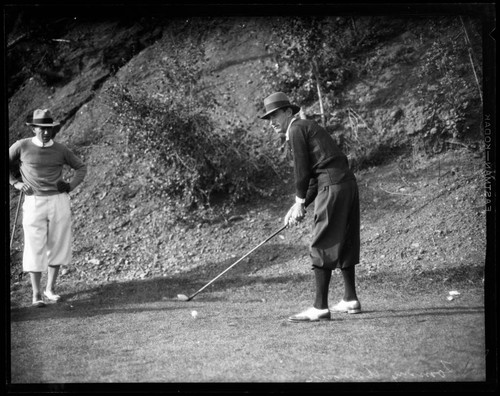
[(349, 283), (322, 277)]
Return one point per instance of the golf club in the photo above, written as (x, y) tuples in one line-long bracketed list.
[(15, 219), (183, 297)]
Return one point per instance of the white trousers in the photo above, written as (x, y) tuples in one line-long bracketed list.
[(47, 231)]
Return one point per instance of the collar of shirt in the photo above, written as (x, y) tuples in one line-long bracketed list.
[(288, 129), (38, 143)]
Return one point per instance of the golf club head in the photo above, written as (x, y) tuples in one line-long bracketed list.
[(183, 297)]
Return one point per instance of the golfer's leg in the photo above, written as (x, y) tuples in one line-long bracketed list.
[(322, 278), (35, 284), (59, 237), (348, 274), (35, 234), (52, 273)]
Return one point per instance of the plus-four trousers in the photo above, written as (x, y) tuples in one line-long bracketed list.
[(336, 234), (47, 232)]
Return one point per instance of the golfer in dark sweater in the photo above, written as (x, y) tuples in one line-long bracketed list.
[(46, 208), (322, 176)]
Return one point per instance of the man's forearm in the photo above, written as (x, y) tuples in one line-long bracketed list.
[(78, 177), (312, 192), (13, 180)]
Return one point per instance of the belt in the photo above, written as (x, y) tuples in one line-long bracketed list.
[(332, 176)]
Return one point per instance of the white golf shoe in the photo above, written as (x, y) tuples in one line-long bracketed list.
[(351, 307), (51, 296), (311, 315)]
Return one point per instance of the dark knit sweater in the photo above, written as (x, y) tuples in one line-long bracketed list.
[(318, 161)]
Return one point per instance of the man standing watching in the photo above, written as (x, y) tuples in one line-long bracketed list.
[(46, 208), (322, 175)]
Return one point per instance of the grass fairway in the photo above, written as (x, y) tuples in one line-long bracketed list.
[(138, 332)]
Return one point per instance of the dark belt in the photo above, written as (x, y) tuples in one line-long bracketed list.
[(333, 176)]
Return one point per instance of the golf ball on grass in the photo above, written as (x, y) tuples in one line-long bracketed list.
[(194, 314)]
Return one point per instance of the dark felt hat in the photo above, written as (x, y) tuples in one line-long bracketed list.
[(276, 101)]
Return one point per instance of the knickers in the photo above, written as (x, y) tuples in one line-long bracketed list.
[(47, 231)]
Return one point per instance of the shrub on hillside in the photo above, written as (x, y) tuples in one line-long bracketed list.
[(456, 96), (189, 160)]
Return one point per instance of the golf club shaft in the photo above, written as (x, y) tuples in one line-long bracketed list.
[(232, 265), (15, 219)]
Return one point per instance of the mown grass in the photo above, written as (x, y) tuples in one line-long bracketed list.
[(138, 332)]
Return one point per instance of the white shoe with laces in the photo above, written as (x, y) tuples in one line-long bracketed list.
[(51, 296), (38, 303), (351, 307), (311, 315)]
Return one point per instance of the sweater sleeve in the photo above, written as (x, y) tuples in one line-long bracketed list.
[(312, 191), (14, 157), (298, 145), (79, 166)]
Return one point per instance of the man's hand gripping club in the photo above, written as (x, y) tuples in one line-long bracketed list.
[(295, 215)]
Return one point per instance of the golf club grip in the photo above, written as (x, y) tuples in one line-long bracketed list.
[(232, 265)]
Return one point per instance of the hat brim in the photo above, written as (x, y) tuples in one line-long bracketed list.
[(54, 124), (295, 110)]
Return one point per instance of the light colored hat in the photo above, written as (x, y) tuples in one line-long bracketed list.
[(276, 101), (41, 118)]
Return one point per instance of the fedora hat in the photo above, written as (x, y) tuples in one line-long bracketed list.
[(41, 118), (276, 101)]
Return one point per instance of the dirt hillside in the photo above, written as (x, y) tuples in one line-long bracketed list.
[(423, 208)]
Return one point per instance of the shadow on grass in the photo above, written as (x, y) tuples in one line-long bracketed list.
[(160, 292), (153, 294)]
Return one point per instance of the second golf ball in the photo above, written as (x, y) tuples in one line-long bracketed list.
[(194, 314)]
